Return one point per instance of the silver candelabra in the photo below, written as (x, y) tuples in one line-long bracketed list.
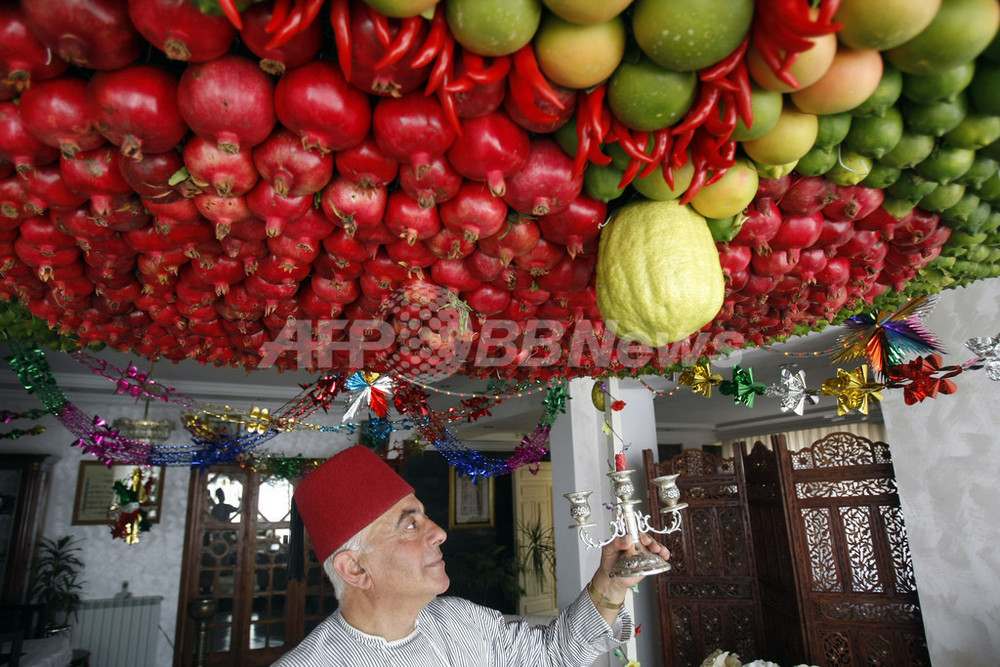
[(630, 521)]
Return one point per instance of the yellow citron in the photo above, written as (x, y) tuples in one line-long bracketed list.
[(730, 194), (790, 138), (658, 274)]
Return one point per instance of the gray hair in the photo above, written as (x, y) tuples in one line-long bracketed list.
[(361, 543)]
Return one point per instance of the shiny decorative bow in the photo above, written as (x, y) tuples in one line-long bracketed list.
[(700, 378), (988, 352), (742, 387), (885, 338), (852, 390), (792, 392), (924, 378), (259, 421), (370, 389)]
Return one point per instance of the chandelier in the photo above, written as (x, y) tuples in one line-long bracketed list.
[(152, 431)]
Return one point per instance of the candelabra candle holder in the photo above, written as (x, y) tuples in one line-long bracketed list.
[(630, 521)]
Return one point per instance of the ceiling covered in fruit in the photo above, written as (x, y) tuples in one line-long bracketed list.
[(507, 189)]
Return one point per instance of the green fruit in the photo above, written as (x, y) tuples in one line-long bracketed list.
[(658, 274), (601, 182), (886, 93), (875, 135), (493, 27), (984, 91), (618, 156), (911, 186), (884, 24), (897, 208), (687, 36), (946, 163), (850, 169), (579, 56), (960, 31), (565, 136), (832, 128), (648, 97), (958, 214), (774, 170), (817, 161), (944, 197), (938, 87), (766, 106), (974, 132), (654, 186), (725, 229), (587, 12), (983, 167), (401, 8), (881, 176), (909, 151), (934, 118), (990, 188)]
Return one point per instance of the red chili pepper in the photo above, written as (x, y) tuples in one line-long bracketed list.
[(679, 154), (310, 12), (442, 67), (523, 96), (827, 9), (631, 171), (290, 28), (744, 95), (434, 42), (723, 121), (408, 31), (771, 56), (662, 140), (380, 23), (278, 14), (340, 20), (708, 95), (595, 155), (447, 101), (629, 143), (232, 13), (697, 181), (527, 67), (594, 111), (583, 139), (727, 64), (497, 70)]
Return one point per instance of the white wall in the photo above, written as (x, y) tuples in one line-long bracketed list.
[(946, 452)]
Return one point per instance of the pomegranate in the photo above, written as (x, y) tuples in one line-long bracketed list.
[(518, 236), (438, 183), (836, 272), (543, 256), (135, 108), (151, 177), (490, 148), (883, 222), (412, 129), (798, 231), (761, 224), (568, 274), (811, 261), (366, 165), (315, 102), (834, 234), (46, 189), (452, 274), (24, 59), (276, 60), (95, 174), (409, 219), (446, 244), (556, 117), (17, 145), (853, 202), (228, 100), (487, 299), (351, 206), (546, 184), (473, 212), (807, 195), (181, 30), (292, 169), (860, 241), (218, 271), (222, 211), (228, 174), (275, 210), (575, 225), (96, 34), (773, 188)]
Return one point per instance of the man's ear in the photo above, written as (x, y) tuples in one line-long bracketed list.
[(345, 563)]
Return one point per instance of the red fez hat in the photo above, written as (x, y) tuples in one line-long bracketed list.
[(345, 494)]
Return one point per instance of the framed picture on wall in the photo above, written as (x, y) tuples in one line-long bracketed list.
[(95, 491), (469, 505)]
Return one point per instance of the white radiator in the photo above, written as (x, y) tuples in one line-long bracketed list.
[(118, 632)]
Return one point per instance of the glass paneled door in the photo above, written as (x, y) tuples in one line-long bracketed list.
[(238, 550)]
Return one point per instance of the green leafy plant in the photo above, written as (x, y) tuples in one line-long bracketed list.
[(538, 549), (56, 579)]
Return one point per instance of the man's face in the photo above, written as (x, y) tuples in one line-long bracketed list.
[(406, 556)]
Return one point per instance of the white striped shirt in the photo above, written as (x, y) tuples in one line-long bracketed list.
[(453, 632)]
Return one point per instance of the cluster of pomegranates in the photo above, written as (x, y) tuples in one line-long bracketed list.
[(177, 189)]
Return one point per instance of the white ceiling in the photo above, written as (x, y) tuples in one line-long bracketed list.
[(680, 414)]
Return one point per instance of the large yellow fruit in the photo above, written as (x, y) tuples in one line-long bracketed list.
[(658, 274)]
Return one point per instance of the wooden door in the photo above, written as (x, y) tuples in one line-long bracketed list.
[(708, 600), (237, 552), (858, 592), (533, 514)]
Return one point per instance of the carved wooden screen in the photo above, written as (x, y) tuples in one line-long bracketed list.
[(708, 600), (784, 641), (859, 596)]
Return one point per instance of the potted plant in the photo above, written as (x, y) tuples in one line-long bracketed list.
[(538, 549), (55, 580)]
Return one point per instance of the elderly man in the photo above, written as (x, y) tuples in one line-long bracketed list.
[(383, 556)]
